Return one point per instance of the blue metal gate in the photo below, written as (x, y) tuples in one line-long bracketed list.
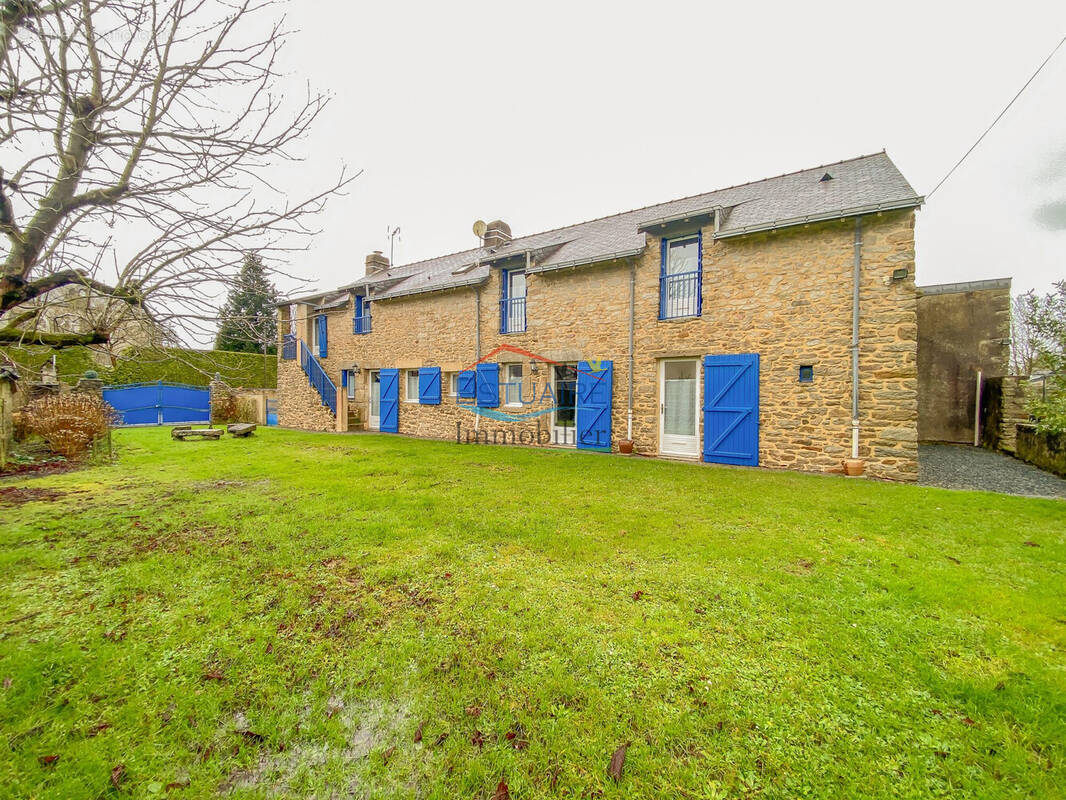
[(159, 403)]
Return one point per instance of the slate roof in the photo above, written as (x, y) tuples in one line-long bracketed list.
[(860, 185)]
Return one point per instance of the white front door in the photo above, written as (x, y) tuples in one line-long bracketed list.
[(375, 401), (679, 433)]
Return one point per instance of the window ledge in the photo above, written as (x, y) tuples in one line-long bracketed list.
[(686, 318)]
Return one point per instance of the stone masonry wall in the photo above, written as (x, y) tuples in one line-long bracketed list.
[(785, 295)]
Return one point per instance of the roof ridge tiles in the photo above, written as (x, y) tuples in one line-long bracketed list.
[(650, 205)]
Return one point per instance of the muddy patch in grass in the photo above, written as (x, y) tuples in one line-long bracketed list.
[(17, 495), (369, 727)]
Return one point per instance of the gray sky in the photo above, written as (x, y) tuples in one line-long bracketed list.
[(546, 114)]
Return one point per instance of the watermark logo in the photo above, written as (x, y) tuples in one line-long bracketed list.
[(551, 402)]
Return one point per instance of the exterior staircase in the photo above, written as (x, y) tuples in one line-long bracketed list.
[(317, 377)]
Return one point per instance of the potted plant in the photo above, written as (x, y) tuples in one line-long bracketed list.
[(854, 467)]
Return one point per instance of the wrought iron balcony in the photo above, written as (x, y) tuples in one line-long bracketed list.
[(679, 295), (513, 315), (361, 324)]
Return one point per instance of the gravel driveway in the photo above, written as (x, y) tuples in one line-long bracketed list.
[(960, 466)]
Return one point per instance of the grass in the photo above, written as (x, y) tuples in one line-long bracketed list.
[(278, 616)]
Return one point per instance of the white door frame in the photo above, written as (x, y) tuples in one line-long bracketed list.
[(373, 423), (673, 445), (562, 435)]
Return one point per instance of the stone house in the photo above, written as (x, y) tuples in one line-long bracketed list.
[(772, 323)]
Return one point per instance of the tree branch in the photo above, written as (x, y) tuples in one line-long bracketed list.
[(57, 340)]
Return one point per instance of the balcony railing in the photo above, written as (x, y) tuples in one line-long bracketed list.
[(513, 315), (288, 347), (361, 324), (318, 378), (679, 295)]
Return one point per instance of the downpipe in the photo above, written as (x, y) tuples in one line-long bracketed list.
[(856, 273), (632, 310)]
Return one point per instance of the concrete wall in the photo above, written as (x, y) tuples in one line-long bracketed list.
[(785, 295), (962, 328)]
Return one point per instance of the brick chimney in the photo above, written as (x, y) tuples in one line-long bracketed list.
[(497, 233), (377, 264)]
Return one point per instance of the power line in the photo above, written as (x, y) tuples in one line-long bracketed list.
[(998, 118)]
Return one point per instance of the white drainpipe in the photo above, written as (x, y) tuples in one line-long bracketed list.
[(632, 310), (856, 271)]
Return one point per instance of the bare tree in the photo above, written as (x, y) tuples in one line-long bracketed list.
[(141, 132)]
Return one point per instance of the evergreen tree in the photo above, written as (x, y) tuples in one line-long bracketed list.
[(249, 317)]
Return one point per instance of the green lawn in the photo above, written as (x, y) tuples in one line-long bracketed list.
[(278, 616)]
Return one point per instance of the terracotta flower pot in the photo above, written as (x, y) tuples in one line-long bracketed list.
[(625, 446), (854, 466)]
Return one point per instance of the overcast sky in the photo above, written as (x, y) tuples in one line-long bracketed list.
[(546, 114)]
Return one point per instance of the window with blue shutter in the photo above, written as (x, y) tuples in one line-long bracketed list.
[(594, 380), (488, 385), (323, 344), (390, 401), (467, 384), (429, 386)]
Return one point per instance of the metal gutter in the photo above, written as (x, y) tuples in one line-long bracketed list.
[(700, 212), (965, 286), (305, 299), (791, 222), (580, 262)]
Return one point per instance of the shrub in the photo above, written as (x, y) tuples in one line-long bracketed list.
[(1050, 414), (69, 423), (229, 406), (224, 406), (245, 410)]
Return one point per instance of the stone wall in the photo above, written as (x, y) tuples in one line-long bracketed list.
[(1003, 409), (785, 295), (1045, 450), (962, 328), (1015, 410)]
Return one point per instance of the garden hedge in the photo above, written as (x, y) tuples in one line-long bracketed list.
[(138, 365)]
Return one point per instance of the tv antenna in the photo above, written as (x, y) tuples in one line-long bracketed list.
[(392, 233)]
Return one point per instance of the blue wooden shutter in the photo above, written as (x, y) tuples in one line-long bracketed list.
[(390, 401), (344, 378), (429, 386), (699, 274), (594, 405), (488, 385), (662, 278), (731, 409), (323, 345), (467, 384)]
